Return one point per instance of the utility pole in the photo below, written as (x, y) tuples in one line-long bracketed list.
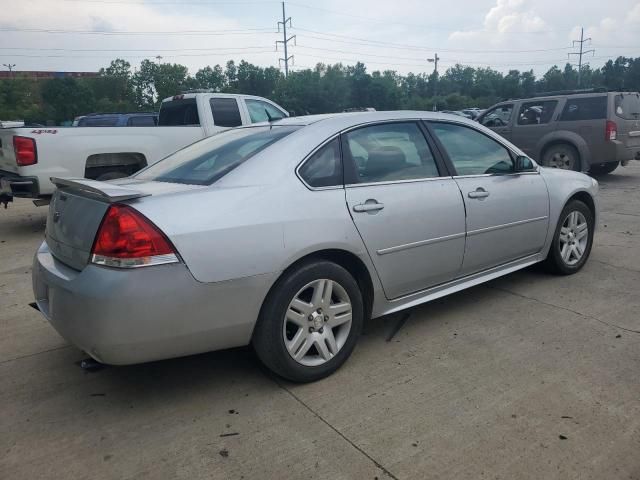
[(434, 60), (158, 58), (285, 41), (10, 67), (581, 52)]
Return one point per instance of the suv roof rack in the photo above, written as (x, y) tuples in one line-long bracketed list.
[(116, 113), (569, 92)]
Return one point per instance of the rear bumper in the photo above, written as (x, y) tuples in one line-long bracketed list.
[(622, 153), (139, 315), (14, 185)]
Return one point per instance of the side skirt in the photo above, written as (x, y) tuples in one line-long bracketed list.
[(391, 306)]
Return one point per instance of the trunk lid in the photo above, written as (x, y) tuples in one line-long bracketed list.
[(78, 206)]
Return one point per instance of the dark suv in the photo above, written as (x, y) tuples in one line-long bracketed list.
[(586, 131)]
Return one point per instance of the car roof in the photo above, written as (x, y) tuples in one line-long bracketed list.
[(346, 119)]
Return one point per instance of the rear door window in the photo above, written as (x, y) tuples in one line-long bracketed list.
[(177, 113), (627, 106), (586, 108), (536, 113), (142, 121), (225, 112), (389, 152)]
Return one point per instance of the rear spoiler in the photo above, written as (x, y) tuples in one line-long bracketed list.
[(103, 191)]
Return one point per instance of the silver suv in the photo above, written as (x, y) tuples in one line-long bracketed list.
[(584, 131)]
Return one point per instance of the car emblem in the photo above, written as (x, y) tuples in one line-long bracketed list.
[(56, 217)]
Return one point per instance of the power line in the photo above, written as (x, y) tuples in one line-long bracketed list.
[(129, 49), (367, 42), (245, 31)]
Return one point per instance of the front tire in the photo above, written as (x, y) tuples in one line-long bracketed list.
[(572, 240), (310, 322)]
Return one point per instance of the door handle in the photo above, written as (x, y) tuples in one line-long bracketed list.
[(478, 193), (368, 206)]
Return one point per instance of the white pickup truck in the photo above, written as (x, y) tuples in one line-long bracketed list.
[(29, 157)]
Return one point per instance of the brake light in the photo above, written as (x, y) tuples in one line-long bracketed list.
[(25, 150), (611, 130), (128, 239)]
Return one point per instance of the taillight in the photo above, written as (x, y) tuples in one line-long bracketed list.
[(25, 150), (611, 130), (128, 239)]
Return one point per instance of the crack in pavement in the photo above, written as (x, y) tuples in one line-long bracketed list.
[(612, 325), (34, 354), (314, 413)]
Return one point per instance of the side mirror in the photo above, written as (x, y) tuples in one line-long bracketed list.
[(524, 164)]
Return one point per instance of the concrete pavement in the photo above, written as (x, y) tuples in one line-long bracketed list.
[(529, 376)]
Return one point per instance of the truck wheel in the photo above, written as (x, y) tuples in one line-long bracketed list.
[(572, 239), (603, 168), (111, 176), (310, 322), (561, 155)]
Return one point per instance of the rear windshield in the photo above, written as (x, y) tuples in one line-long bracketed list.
[(628, 106), (586, 108), (208, 160), (176, 113)]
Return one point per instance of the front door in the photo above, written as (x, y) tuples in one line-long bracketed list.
[(507, 212), (410, 216)]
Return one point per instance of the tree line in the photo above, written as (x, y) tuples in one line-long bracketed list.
[(325, 88)]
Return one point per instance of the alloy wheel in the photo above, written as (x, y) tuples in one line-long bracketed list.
[(317, 322), (574, 236)]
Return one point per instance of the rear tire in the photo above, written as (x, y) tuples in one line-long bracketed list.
[(302, 335), (563, 156), (572, 240), (603, 168)]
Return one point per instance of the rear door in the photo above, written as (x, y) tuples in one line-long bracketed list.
[(532, 121), (507, 212), (499, 119), (587, 117), (408, 211)]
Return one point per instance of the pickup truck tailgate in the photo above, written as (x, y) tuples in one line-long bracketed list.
[(7, 155)]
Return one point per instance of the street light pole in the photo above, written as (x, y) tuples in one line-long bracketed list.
[(10, 67), (434, 60)]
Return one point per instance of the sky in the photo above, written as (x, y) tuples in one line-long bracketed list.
[(400, 35)]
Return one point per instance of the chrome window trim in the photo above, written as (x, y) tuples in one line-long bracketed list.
[(406, 246), (513, 174), (393, 182)]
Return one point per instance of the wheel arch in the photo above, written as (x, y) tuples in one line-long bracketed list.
[(567, 138), (100, 163), (347, 260), (587, 199)]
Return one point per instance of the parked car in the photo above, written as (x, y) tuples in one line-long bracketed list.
[(30, 156), (584, 131), (289, 235), (137, 119)]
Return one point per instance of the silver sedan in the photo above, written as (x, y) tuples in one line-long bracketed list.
[(290, 235)]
